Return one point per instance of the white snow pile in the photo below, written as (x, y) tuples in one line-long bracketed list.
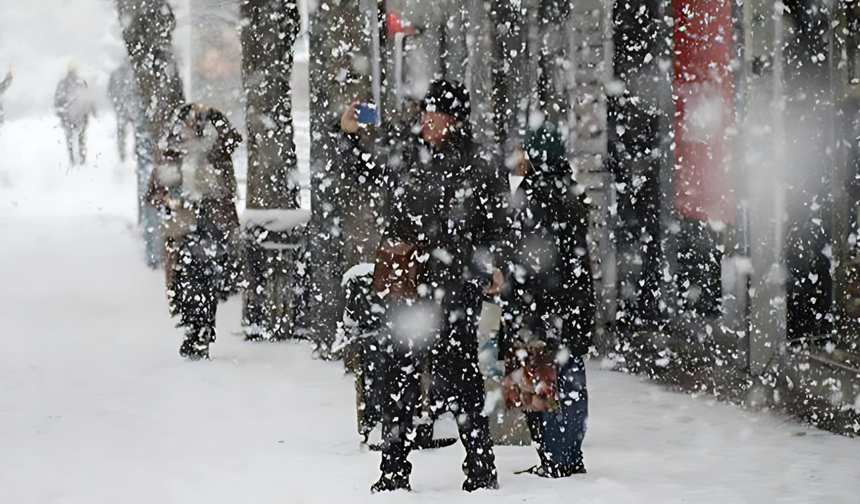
[(277, 220)]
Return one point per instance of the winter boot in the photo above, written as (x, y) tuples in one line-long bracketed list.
[(424, 438), (487, 481), (252, 334), (550, 470), (578, 467), (480, 474), (196, 344), (395, 469), (391, 482)]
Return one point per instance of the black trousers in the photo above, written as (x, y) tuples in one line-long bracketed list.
[(457, 385), (195, 290), (76, 133)]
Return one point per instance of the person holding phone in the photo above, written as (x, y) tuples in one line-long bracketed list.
[(443, 216)]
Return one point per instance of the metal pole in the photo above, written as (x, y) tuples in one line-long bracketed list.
[(398, 70), (375, 58)]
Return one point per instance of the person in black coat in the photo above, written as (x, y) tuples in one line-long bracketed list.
[(442, 200), (195, 190), (549, 294), (74, 105)]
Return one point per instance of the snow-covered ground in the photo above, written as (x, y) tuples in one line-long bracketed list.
[(97, 407)]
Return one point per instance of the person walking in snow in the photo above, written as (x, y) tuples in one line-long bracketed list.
[(122, 92), (433, 262), (195, 189), (74, 105), (3, 87), (548, 299)]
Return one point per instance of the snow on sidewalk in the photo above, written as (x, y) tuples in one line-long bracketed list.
[(97, 407)]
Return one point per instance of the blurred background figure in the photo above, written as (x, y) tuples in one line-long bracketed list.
[(3, 86), (123, 96), (74, 106), (131, 114)]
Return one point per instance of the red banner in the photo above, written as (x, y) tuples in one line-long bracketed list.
[(702, 90)]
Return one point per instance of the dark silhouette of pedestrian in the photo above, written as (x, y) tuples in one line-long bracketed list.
[(195, 189), (434, 260), (74, 105), (548, 299)]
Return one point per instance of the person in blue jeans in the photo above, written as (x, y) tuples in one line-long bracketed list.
[(548, 294), (559, 436)]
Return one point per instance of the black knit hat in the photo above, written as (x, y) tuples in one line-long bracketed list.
[(448, 97), (544, 145)]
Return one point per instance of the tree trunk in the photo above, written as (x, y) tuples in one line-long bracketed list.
[(509, 91), (147, 27), (269, 30), (638, 123), (337, 42)]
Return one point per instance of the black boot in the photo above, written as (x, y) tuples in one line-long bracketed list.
[(395, 469), (577, 468), (391, 482), (488, 481), (549, 470), (480, 472), (196, 344), (424, 438), (480, 464)]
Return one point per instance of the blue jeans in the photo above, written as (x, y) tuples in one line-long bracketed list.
[(559, 435)]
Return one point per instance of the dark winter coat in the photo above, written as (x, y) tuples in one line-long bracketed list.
[(195, 190), (448, 200), (73, 102), (549, 287), (211, 200)]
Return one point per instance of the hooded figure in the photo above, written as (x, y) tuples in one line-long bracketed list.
[(195, 189), (74, 105), (548, 295), (442, 219)]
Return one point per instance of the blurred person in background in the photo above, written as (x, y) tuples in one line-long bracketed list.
[(548, 296), (123, 96), (195, 189), (3, 87), (74, 105), (433, 263), (122, 91)]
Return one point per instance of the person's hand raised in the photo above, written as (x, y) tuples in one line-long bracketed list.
[(494, 287), (349, 119)]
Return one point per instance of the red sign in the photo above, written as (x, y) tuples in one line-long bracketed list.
[(702, 90)]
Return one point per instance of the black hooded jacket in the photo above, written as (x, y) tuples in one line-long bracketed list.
[(549, 288), (450, 201)]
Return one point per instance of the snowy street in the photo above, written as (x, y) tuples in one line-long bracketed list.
[(96, 406)]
